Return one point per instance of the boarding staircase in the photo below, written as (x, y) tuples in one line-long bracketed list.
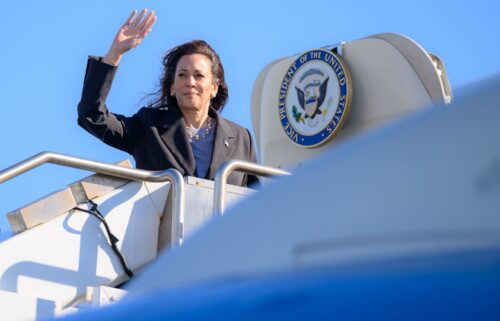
[(61, 259), (62, 255)]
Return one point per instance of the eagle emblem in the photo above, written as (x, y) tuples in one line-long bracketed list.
[(311, 100)]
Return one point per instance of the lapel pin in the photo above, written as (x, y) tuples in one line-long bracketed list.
[(226, 143)]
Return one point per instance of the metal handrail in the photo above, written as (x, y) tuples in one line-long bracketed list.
[(171, 175), (223, 172)]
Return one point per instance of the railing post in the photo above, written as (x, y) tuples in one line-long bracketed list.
[(223, 172)]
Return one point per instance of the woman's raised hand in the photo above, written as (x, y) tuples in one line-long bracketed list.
[(130, 35)]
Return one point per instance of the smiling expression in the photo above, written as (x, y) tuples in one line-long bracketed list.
[(194, 85)]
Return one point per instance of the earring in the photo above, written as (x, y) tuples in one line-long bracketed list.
[(172, 93)]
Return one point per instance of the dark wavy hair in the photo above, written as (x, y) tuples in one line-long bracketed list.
[(170, 61)]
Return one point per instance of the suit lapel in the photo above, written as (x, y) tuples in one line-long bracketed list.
[(176, 140), (223, 145)]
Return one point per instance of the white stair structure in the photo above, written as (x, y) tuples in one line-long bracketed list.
[(61, 251), (72, 250)]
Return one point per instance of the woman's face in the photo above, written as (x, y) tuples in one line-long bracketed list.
[(194, 84)]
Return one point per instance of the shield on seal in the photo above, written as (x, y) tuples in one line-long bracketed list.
[(311, 105)]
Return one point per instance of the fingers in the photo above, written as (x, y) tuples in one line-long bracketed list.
[(138, 18), (148, 27), (144, 24), (145, 20), (130, 17), (148, 23)]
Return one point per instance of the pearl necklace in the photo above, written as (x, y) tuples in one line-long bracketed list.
[(201, 133)]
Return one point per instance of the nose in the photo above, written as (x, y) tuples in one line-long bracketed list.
[(190, 81)]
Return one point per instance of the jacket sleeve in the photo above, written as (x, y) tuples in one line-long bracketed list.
[(93, 115), (251, 180)]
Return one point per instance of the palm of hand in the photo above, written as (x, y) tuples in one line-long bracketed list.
[(129, 37), (131, 34)]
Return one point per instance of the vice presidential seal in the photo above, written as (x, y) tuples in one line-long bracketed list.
[(314, 98)]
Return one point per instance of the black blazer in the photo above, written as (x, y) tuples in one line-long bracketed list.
[(156, 137)]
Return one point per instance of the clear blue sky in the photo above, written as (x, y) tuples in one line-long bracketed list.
[(45, 46)]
